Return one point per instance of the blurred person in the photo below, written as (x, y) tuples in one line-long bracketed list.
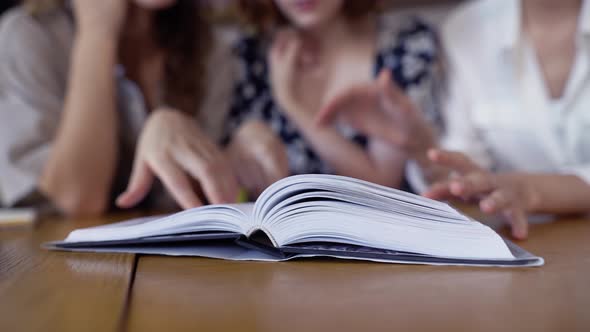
[(517, 118), (302, 54), (78, 81)]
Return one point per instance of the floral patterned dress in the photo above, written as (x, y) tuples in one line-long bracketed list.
[(409, 49)]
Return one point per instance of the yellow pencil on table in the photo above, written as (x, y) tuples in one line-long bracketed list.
[(242, 196)]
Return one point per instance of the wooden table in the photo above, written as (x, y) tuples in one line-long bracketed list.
[(56, 291)]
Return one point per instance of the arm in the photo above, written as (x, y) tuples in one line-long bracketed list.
[(78, 174), (552, 193), (378, 164), (258, 157), (381, 110), (513, 195)]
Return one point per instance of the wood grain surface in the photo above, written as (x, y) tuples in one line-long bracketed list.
[(188, 294), (57, 291)]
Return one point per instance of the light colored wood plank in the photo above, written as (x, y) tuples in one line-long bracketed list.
[(58, 291), (187, 294)]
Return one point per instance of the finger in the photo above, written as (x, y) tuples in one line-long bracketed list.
[(473, 185), (245, 176), (455, 160), (281, 164), (384, 77), (273, 159), (400, 109), (244, 167), (519, 223), (213, 173), (439, 191), (262, 180), (341, 103), (389, 89), (139, 185), (176, 182), (495, 202), (503, 201), (235, 158), (359, 108), (394, 99), (255, 175), (274, 169), (230, 183), (261, 164), (230, 186)]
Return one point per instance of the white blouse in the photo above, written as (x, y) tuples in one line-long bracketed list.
[(499, 111)]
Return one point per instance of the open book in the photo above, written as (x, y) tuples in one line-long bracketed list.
[(313, 215)]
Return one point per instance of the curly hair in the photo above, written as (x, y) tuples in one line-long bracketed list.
[(264, 15), (183, 34)]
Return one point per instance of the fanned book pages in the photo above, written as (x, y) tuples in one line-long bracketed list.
[(313, 215)]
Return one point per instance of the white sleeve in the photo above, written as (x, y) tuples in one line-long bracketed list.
[(461, 133), (30, 104)]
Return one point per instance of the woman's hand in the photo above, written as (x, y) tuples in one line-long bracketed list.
[(173, 148), (290, 56), (495, 193), (101, 16), (258, 157), (380, 109)]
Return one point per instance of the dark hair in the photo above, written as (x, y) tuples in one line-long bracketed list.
[(264, 15), (182, 33)]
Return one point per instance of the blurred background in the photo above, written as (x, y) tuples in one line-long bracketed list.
[(433, 10), (5, 4)]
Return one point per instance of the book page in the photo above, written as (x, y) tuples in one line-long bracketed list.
[(222, 218), (327, 208)]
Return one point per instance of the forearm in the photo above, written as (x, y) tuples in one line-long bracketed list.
[(390, 162), (553, 193), (80, 169), (343, 156)]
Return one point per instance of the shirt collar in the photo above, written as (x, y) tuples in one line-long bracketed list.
[(509, 19)]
